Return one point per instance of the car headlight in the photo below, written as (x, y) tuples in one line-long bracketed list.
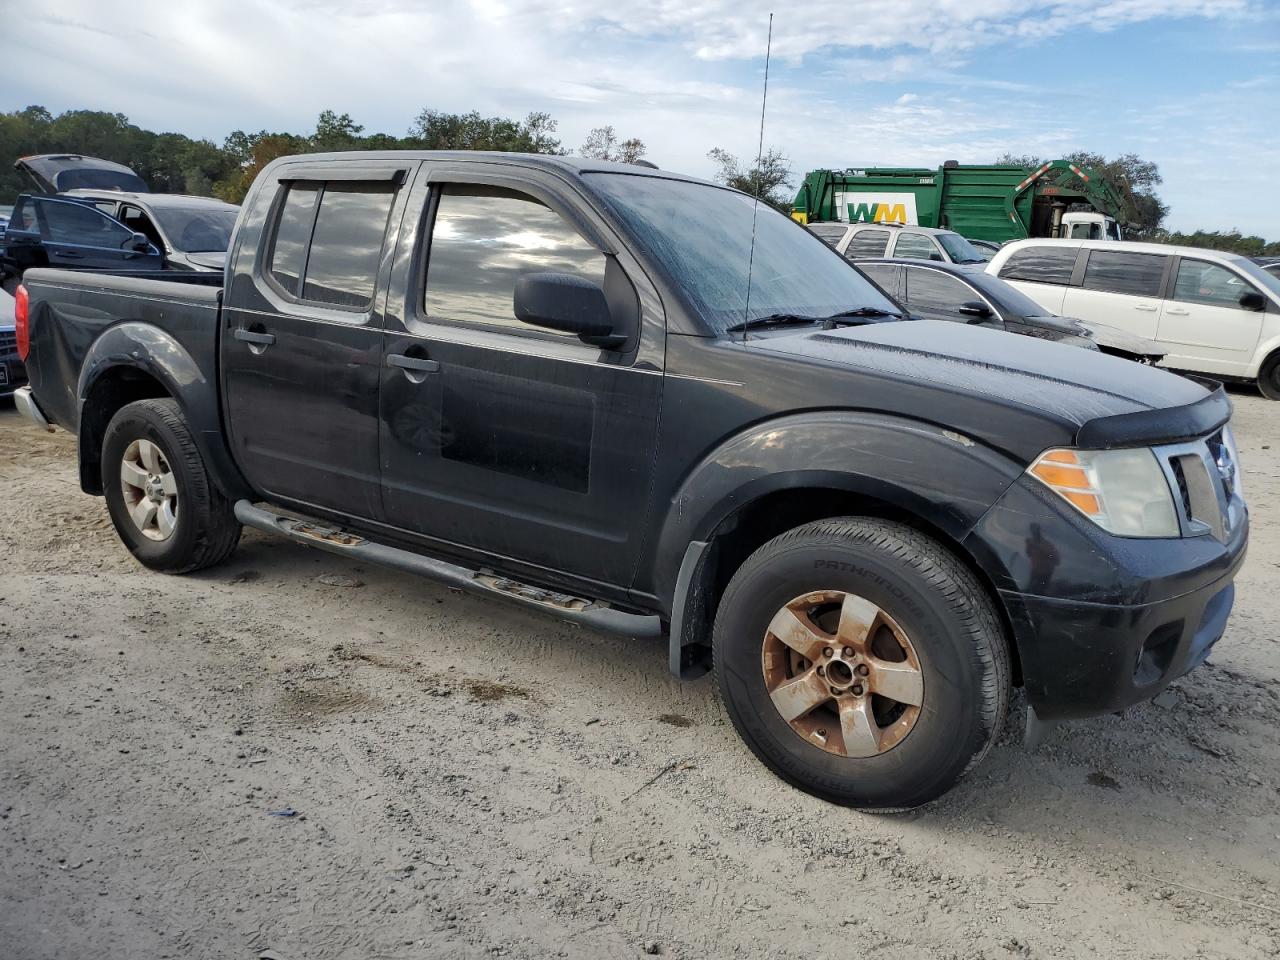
[(1123, 491)]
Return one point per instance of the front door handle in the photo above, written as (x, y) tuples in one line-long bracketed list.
[(1177, 312), (416, 364), (1148, 307), (67, 255), (255, 337)]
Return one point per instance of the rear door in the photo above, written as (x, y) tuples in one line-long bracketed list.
[(501, 439), (24, 237), (1121, 289), (1042, 272), (301, 343), (1203, 323), (79, 236)]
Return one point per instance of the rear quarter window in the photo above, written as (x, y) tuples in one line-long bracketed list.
[(1041, 265), (867, 243)]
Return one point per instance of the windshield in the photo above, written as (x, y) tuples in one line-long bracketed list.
[(1268, 281), (701, 236), (961, 250), (197, 229)]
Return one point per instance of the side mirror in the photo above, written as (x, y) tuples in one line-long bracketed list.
[(976, 310), (1253, 300), (562, 301), (140, 243)]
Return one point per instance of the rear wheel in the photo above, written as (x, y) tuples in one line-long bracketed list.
[(862, 662), (1269, 377), (160, 498)]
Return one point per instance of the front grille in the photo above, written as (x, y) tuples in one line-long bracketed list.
[(1202, 476)]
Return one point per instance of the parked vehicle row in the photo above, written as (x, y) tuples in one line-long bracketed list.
[(1211, 312), (93, 214), (641, 402)]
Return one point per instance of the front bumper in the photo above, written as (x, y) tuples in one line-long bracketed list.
[(1104, 622)]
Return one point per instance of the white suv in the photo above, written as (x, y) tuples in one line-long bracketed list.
[(1214, 312), (873, 241)]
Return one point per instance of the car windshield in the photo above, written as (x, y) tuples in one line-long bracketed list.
[(197, 229), (961, 250), (1268, 281), (701, 236)]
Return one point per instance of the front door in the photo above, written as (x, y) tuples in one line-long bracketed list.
[(301, 343), (79, 236), (1203, 323), (502, 439)]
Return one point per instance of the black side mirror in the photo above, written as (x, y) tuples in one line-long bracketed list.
[(1253, 300), (976, 310), (561, 301)]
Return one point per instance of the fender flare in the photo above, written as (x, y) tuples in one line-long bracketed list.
[(148, 349), (947, 480)]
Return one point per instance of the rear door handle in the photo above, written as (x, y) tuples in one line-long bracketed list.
[(417, 364), (68, 255), (253, 336)]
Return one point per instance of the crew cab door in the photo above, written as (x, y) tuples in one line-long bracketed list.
[(79, 236), (1203, 323), (301, 338), (501, 439)]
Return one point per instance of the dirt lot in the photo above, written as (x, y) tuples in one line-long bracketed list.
[(469, 780)]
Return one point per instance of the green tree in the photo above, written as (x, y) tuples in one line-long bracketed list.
[(437, 130), (602, 144), (766, 178)]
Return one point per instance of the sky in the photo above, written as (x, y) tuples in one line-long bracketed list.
[(1191, 84)]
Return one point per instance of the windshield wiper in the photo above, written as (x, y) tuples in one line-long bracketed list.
[(860, 314), (772, 320)]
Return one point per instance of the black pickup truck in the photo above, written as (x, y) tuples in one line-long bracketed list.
[(596, 390)]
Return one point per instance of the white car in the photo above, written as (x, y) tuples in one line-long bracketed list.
[(1214, 312), (872, 241)]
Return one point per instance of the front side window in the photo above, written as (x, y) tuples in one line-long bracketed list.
[(916, 246), (1202, 282), (81, 224), (933, 288), (1041, 264), (483, 240), (328, 241), (867, 244), (1135, 274)]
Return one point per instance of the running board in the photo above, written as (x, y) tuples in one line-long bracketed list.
[(588, 613)]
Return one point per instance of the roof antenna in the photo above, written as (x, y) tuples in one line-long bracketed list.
[(751, 256)]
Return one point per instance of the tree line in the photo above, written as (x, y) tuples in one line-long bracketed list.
[(176, 163)]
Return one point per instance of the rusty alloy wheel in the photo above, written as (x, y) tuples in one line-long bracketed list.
[(842, 673)]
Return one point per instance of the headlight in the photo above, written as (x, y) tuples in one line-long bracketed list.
[(1123, 491)]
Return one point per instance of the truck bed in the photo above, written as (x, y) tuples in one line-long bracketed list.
[(77, 308)]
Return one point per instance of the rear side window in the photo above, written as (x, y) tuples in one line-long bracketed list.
[(886, 275), (932, 288), (1136, 274), (1202, 282), (1041, 265), (867, 243), (828, 233), (916, 246), (81, 224), (484, 239), (24, 217), (329, 240)]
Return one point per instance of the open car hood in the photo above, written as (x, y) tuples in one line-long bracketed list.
[(58, 172)]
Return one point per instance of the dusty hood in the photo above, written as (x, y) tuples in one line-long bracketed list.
[(1106, 400), (1114, 338), (58, 172)]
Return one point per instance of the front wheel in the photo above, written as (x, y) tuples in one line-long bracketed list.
[(163, 505), (862, 662), (1269, 378)]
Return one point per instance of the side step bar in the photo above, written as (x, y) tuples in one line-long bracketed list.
[(588, 613)]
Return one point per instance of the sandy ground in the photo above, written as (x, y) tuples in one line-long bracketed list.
[(469, 780)]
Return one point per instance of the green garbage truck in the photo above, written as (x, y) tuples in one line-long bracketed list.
[(997, 203)]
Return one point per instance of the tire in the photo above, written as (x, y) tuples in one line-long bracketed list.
[(198, 529), (936, 639), (1269, 377)]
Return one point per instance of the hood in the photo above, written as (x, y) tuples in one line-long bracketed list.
[(215, 260), (1120, 402), (58, 172), (1122, 341)]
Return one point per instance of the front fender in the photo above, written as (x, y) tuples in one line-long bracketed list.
[(151, 351), (942, 477)]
